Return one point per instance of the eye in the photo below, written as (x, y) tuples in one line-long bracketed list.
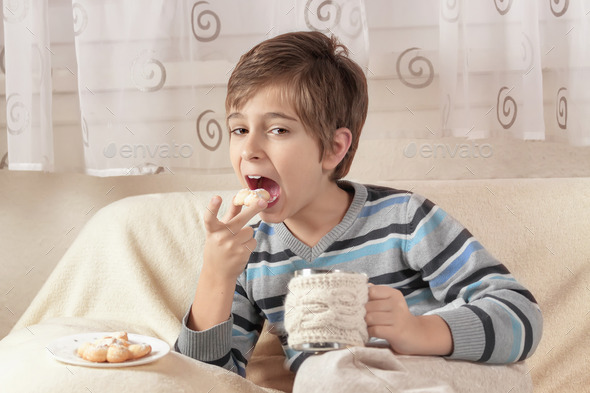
[(279, 131), (239, 131)]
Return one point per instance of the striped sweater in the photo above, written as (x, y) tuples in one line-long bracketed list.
[(398, 239)]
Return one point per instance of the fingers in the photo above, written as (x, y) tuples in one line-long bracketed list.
[(251, 245), (385, 299), (378, 306), (231, 212), (228, 244), (245, 214), (210, 220), (244, 235), (235, 218), (377, 292), (379, 318)]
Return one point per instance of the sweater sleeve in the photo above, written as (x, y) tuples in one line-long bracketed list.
[(492, 317), (229, 344)]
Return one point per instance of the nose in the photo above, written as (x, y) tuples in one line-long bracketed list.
[(252, 147)]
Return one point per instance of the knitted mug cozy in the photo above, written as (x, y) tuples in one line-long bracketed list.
[(326, 308)]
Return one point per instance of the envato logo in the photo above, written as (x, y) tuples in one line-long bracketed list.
[(445, 150), (144, 151)]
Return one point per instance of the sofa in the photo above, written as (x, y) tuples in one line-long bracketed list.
[(109, 254)]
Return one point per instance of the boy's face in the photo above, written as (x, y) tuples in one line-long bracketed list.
[(269, 141)]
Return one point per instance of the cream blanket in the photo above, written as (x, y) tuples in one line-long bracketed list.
[(134, 267), (136, 260), (364, 369)]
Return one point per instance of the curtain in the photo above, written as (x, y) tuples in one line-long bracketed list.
[(28, 87), (139, 87)]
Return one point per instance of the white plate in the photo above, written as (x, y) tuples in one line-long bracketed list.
[(65, 349)]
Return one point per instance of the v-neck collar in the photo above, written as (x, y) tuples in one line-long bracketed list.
[(311, 253)]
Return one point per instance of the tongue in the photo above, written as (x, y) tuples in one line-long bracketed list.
[(271, 186)]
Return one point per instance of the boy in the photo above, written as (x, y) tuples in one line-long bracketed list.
[(295, 106)]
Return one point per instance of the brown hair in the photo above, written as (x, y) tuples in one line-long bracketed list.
[(327, 89)]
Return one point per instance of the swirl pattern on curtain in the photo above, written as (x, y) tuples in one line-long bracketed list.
[(506, 108), (208, 24), (416, 66), (561, 108), (18, 114), (80, 18), (559, 7), (213, 134), (149, 74)]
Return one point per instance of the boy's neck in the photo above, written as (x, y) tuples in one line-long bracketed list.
[(323, 217)]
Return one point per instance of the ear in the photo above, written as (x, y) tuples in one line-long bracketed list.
[(340, 145)]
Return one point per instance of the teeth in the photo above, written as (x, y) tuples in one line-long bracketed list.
[(254, 177)]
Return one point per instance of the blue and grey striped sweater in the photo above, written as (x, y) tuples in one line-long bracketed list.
[(398, 239)]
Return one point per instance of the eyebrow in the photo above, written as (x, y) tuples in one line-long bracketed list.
[(269, 115)]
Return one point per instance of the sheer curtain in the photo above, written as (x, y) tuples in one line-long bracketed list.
[(150, 77), (28, 85)]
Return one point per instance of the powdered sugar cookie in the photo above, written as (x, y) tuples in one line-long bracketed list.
[(118, 353), (95, 353), (113, 348), (250, 197), (139, 350)]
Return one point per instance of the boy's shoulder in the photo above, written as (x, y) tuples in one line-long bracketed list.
[(398, 201), (376, 192)]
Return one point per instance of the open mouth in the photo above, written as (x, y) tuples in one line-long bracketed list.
[(269, 185)]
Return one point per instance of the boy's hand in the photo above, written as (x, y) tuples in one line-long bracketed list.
[(389, 317), (227, 249), (229, 241)]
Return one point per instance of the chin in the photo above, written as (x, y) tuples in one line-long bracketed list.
[(270, 218)]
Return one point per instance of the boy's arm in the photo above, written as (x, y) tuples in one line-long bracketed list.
[(228, 344), (209, 328), (228, 246), (491, 317), (213, 301)]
